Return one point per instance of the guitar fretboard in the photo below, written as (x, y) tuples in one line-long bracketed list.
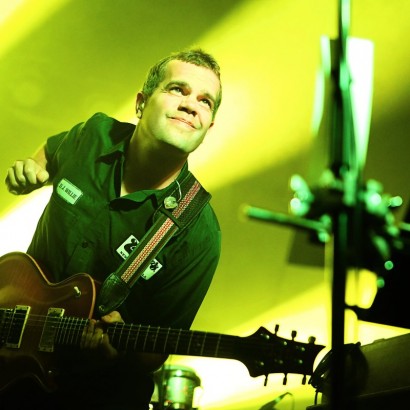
[(130, 337)]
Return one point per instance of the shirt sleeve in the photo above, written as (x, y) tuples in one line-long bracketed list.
[(60, 146)]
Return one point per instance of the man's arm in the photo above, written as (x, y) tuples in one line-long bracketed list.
[(29, 174)]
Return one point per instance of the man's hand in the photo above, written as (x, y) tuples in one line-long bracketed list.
[(26, 176), (93, 336)]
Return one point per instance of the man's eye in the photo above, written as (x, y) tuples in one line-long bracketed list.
[(176, 89), (207, 102)]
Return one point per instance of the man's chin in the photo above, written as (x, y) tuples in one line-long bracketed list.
[(183, 148)]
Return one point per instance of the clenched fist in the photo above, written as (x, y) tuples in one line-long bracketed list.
[(26, 176)]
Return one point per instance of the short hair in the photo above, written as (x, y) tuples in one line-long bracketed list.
[(156, 73)]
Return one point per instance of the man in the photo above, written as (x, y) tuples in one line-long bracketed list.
[(108, 180)]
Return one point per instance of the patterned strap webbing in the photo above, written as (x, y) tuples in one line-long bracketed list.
[(117, 285)]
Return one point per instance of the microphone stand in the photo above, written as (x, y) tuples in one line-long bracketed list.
[(362, 229), (343, 162)]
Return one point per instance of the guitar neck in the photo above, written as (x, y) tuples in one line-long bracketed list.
[(148, 339), (261, 352), (172, 341)]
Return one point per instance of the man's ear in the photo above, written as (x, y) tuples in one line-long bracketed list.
[(139, 104)]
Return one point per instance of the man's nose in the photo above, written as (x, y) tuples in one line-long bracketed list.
[(188, 104)]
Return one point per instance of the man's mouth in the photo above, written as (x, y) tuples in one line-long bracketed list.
[(184, 121)]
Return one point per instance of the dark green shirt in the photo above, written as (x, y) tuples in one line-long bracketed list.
[(88, 227)]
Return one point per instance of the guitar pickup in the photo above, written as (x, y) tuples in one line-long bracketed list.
[(16, 322), (50, 329)]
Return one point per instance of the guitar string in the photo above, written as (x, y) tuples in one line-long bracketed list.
[(41, 320), (133, 333)]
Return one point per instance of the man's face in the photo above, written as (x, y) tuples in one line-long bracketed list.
[(180, 111)]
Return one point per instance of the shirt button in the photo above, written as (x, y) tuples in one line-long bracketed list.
[(84, 244)]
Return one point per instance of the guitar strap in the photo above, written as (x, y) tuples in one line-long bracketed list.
[(172, 216)]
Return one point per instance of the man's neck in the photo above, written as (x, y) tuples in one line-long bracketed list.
[(148, 168)]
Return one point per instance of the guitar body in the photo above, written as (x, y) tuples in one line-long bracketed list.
[(23, 283)]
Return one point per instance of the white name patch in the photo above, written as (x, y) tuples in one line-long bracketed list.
[(128, 246), (68, 191)]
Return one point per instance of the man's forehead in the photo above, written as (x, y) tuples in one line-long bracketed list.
[(191, 74)]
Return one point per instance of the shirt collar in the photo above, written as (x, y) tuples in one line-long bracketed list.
[(161, 194), (115, 150), (120, 134)]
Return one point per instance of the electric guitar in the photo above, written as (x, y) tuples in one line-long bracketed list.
[(38, 317)]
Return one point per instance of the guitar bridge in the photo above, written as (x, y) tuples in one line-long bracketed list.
[(13, 323), (50, 328)]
